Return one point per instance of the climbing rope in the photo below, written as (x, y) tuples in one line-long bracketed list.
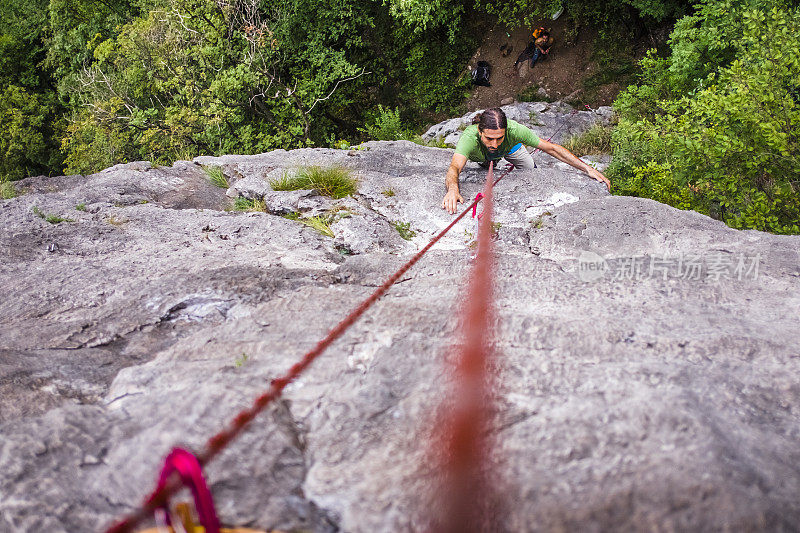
[(221, 440), (465, 446)]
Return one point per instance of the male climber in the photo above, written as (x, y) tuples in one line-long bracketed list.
[(493, 137)]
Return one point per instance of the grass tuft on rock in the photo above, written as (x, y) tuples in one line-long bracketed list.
[(404, 229), (52, 219), (216, 177), (321, 223), (336, 181), (251, 206), (594, 141)]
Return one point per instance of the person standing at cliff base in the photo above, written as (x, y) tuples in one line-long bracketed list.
[(492, 137)]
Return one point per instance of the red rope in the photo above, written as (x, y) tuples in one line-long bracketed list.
[(467, 489), (218, 442)]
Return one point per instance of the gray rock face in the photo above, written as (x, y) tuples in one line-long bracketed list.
[(646, 370)]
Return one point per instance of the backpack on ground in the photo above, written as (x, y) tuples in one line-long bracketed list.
[(481, 73)]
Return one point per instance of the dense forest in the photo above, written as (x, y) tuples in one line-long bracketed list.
[(711, 123)]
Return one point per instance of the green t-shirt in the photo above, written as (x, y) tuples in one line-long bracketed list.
[(470, 145)]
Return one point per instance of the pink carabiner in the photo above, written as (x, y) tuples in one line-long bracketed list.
[(188, 468), (475, 206)]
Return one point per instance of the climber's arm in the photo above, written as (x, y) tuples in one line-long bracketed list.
[(562, 154), (453, 198)]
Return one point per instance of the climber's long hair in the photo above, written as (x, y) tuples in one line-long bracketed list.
[(491, 119)]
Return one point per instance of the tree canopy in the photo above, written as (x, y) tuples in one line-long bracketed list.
[(714, 126), (89, 83)]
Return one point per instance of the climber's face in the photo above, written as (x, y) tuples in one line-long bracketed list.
[(492, 139)]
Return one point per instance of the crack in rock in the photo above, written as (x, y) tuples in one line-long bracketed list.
[(197, 308)]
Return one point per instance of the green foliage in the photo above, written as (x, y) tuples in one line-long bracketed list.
[(320, 223), (404, 229), (714, 127), (336, 181), (216, 176), (341, 144), (596, 13), (77, 27), (7, 189), (245, 204), (206, 77), (595, 140), (212, 77), (421, 15), (29, 110), (80, 207), (519, 13), (90, 83), (657, 179), (385, 125), (23, 28), (388, 193), (435, 79)]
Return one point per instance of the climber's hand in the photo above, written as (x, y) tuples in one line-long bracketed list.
[(451, 200)]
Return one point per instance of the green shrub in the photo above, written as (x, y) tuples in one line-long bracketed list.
[(7, 189), (594, 13), (336, 181), (385, 125)]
